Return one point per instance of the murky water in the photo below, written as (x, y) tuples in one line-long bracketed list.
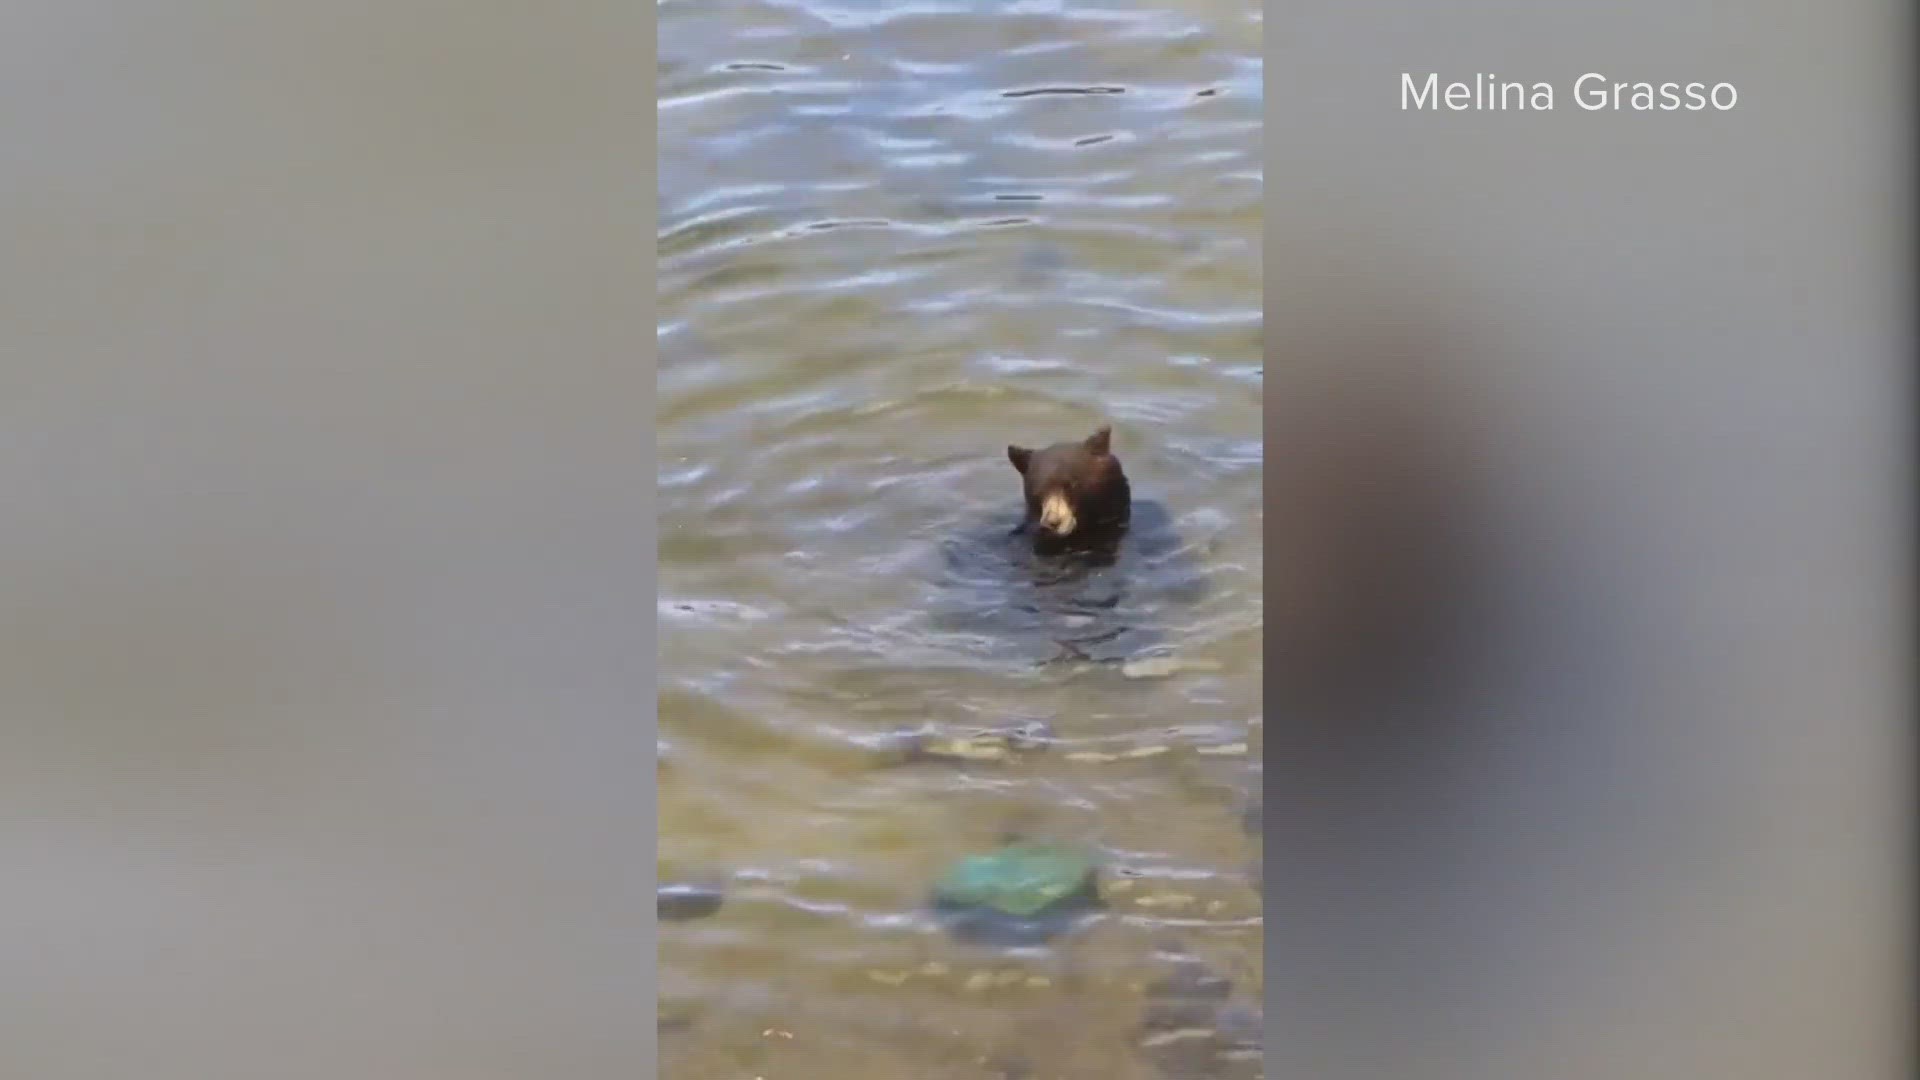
[(894, 238)]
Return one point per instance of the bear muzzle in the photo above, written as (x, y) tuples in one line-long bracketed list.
[(1056, 515)]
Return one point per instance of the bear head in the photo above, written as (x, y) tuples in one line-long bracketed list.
[(1074, 488)]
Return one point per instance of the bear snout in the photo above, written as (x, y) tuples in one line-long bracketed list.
[(1056, 515)]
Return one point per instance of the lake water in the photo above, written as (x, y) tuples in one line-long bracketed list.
[(893, 239), (324, 570)]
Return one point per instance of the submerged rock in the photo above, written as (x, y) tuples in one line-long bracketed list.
[(1161, 667), (1008, 1067), (1022, 894), (1191, 1027), (681, 901), (980, 745)]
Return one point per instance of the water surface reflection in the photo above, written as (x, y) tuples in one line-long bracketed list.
[(895, 238)]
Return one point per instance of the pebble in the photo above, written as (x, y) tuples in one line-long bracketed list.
[(1192, 1030), (1192, 981), (1001, 744), (682, 901), (1160, 667), (972, 751), (1224, 749), (1162, 1038)]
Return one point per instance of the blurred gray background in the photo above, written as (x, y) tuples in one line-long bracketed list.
[(1664, 833), (324, 712), (323, 629)]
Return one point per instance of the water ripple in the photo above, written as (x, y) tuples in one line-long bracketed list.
[(894, 237)]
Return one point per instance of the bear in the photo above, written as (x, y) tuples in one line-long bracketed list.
[(1054, 582), (1074, 489)]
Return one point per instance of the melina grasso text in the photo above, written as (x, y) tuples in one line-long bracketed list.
[(1593, 92)]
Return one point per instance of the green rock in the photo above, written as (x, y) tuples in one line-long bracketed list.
[(1021, 880)]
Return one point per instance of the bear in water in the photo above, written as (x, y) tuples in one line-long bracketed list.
[(1076, 492), (1058, 584), (1083, 571)]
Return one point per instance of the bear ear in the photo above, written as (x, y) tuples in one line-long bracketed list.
[(1019, 455), (1100, 441)]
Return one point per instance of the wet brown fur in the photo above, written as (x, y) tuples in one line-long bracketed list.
[(1086, 475)]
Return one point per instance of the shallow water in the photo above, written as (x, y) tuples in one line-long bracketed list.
[(893, 239)]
